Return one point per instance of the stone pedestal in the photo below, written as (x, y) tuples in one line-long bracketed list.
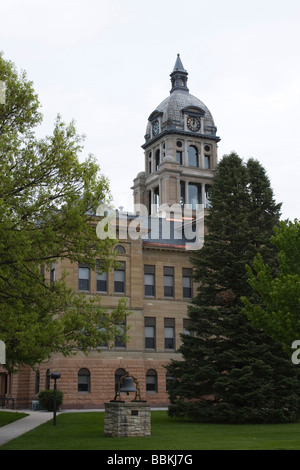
[(125, 419)]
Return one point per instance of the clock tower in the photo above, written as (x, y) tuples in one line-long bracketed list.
[(180, 149)]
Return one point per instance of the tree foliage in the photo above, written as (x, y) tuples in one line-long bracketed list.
[(229, 371), (48, 198), (277, 306)]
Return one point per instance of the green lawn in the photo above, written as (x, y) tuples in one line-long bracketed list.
[(7, 417), (85, 431)]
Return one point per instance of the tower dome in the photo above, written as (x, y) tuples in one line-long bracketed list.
[(180, 112)]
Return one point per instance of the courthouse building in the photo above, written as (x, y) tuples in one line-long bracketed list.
[(154, 274)]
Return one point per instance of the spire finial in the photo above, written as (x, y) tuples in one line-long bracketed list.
[(178, 65)]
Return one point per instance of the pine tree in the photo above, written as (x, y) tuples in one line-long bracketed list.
[(230, 372)]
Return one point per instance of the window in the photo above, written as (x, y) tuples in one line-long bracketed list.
[(149, 280), (186, 323), (37, 381), (193, 156), (151, 381), (84, 380), (150, 162), (194, 194), (47, 384), (156, 196), (150, 323), (120, 249), (118, 375), (157, 159), (101, 279), (120, 330), (168, 281), (186, 283), (83, 277), (182, 192), (52, 272), (207, 161), (169, 333), (119, 278), (169, 380), (179, 157), (207, 196)]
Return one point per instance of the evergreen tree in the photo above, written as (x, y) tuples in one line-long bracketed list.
[(230, 372)]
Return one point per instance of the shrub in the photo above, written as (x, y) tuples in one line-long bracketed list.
[(46, 398)]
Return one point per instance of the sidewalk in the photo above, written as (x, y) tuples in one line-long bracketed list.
[(15, 429)]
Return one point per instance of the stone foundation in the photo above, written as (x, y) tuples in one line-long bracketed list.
[(127, 419)]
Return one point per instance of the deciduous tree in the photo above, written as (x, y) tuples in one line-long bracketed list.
[(49, 194)]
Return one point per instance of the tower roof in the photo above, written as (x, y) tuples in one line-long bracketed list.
[(178, 65), (179, 76)]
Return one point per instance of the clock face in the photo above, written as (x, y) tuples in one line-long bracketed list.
[(193, 123), (155, 128)]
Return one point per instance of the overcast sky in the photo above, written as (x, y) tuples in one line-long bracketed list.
[(106, 64)]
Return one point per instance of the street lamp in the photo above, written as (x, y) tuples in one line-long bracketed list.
[(54, 376)]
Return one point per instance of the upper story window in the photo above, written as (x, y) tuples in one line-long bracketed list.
[(120, 342), (150, 162), (83, 277), (156, 197), (101, 280), (186, 283), (119, 278), (120, 249), (52, 272), (157, 159), (169, 325), (207, 196), (179, 156), (150, 323), (149, 280), (168, 281), (193, 156), (195, 195), (207, 162)]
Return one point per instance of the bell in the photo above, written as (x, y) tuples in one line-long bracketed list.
[(127, 385)]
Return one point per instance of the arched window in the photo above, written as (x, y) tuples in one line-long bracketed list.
[(193, 156), (120, 249), (37, 381), (47, 385), (151, 381), (84, 380), (118, 375)]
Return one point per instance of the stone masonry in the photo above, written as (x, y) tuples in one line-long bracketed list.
[(127, 419)]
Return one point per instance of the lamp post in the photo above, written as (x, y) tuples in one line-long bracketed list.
[(54, 376)]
